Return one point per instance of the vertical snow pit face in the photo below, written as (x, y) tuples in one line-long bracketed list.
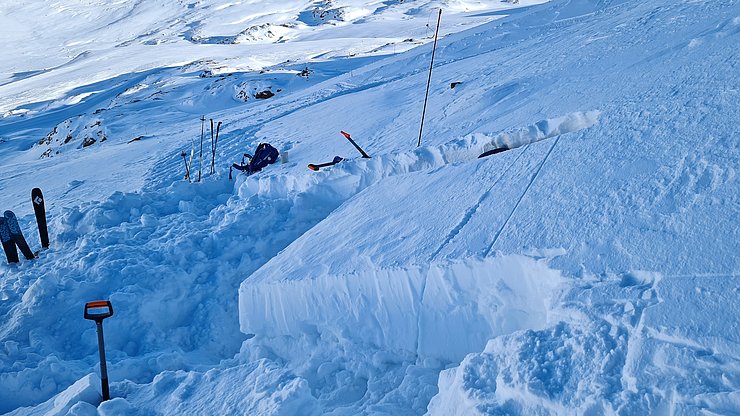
[(439, 312), (466, 303), (367, 309)]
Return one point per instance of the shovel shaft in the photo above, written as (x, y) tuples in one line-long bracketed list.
[(103, 367)]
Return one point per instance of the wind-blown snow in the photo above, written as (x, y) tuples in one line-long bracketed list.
[(592, 268)]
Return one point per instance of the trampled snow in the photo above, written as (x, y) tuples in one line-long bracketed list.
[(591, 268)]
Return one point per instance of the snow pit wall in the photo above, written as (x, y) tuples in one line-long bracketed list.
[(439, 311)]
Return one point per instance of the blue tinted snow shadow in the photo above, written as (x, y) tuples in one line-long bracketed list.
[(18, 76), (39, 124)]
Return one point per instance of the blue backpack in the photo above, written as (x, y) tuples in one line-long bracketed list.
[(263, 156)]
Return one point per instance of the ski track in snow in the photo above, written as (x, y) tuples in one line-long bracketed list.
[(534, 178), (472, 210)]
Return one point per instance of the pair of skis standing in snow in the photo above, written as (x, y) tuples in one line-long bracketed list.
[(12, 236)]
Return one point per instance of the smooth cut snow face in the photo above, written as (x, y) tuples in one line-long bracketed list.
[(578, 271)]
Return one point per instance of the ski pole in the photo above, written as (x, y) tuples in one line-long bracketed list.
[(215, 143), (187, 169), (212, 151), (429, 80), (97, 311), (202, 132)]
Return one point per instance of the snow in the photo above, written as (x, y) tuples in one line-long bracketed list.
[(628, 355), (592, 268), (83, 393)]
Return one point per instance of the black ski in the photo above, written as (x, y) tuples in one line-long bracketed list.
[(11, 253), (318, 166), (17, 235), (40, 210), (493, 152), (359, 149)]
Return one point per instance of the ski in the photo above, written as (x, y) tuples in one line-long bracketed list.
[(37, 197), (11, 253), (17, 235), (316, 167), (359, 149), (493, 152)]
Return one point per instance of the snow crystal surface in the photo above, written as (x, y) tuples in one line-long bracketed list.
[(588, 267)]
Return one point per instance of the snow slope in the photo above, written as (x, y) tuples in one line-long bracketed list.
[(635, 192), (591, 269)]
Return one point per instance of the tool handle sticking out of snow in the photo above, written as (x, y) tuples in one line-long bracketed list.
[(97, 311), (318, 166), (359, 149)]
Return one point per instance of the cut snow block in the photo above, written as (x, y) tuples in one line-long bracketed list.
[(441, 311), (86, 389)]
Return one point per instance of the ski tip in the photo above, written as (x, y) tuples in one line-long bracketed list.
[(337, 159), (345, 134)]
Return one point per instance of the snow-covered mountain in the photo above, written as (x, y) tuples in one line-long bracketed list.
[(590, 269)]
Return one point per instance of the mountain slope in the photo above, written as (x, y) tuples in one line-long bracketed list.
[(579, 272)]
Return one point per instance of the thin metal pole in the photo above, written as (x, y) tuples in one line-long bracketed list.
[(202, 131), (213, 152), (429, 80), (187, 168)]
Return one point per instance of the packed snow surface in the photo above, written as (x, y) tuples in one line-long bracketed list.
[(589, 266)]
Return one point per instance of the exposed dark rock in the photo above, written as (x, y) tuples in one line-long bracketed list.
[(264, 94)]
